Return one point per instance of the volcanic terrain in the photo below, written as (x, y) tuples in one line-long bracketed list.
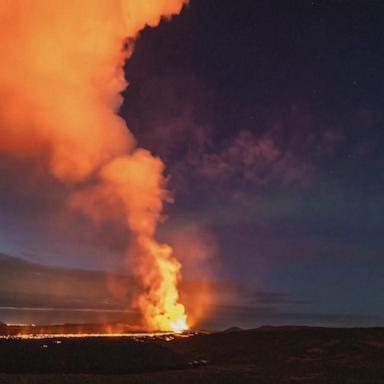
[(263, 355)]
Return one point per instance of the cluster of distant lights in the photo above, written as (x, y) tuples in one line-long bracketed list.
[(87, 335), (167, 336), (179, 331)]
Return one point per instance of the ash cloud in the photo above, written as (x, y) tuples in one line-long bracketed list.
[(61, 96)]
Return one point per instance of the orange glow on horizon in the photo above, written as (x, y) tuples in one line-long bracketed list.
[(89, 335)]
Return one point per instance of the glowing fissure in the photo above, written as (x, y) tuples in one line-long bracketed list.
[(61, 76)]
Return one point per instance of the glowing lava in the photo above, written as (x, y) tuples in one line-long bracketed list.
[(166, 335), (179, 326)]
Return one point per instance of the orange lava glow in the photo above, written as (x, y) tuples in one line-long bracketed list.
[(166, 335), (61, 78)]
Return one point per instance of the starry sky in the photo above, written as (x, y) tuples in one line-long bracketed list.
[(269, 118)]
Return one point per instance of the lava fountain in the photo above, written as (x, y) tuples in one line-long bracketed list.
[(61, 78)]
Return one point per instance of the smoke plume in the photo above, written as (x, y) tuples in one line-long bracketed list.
[(61, 75)]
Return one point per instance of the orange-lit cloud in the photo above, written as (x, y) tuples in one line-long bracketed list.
[(61, 75)]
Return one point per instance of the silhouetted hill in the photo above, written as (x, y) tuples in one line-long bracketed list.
[(232, 329)]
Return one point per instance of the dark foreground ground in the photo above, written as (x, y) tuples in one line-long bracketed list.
[(265, 355)]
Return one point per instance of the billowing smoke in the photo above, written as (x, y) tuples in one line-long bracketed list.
[(61, 75)]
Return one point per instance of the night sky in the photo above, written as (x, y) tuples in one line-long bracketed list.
[(269, 118)]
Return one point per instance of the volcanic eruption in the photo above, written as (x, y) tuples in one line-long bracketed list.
[(61, 77)]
